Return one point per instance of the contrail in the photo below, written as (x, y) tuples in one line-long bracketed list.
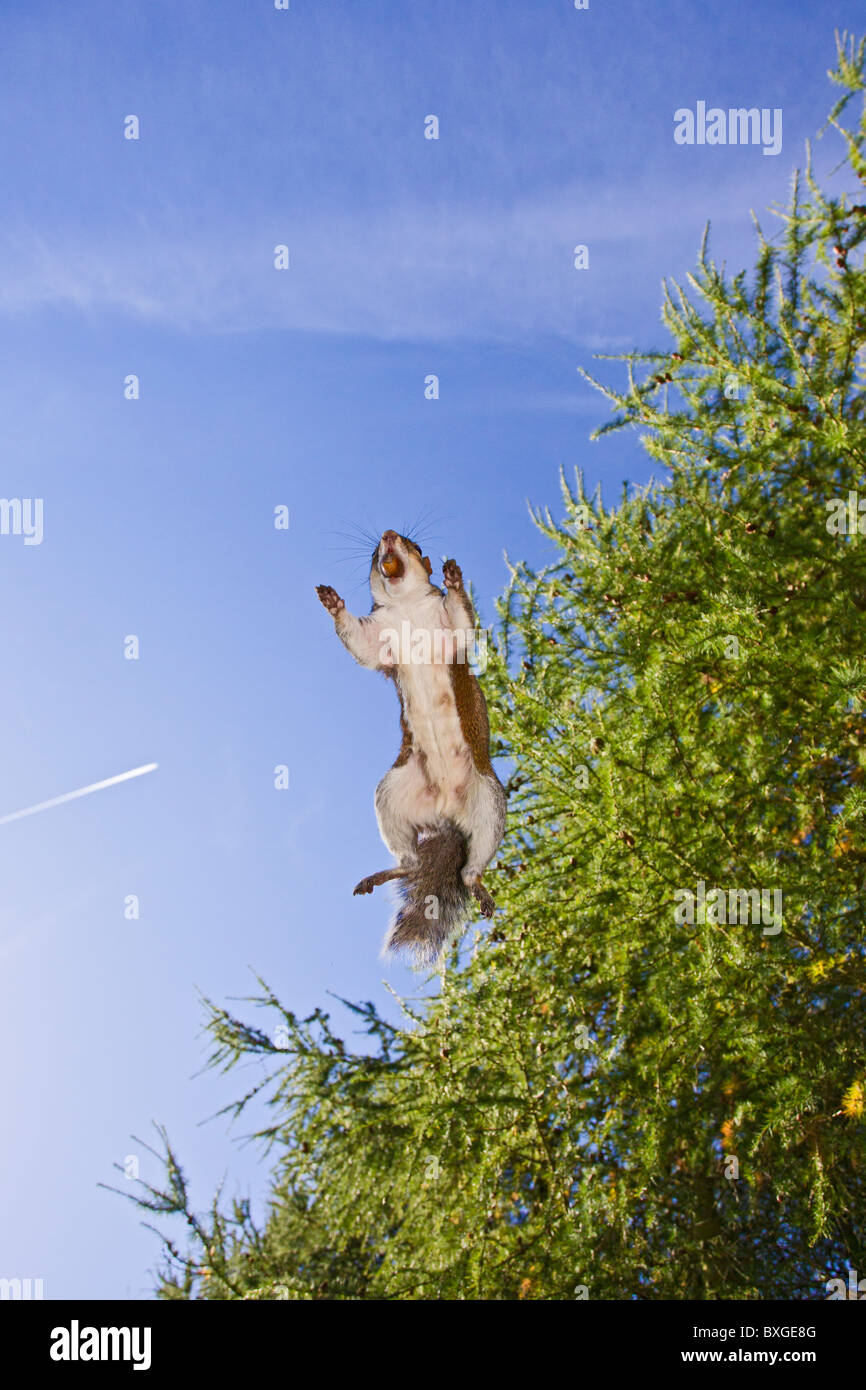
[(82, 791)]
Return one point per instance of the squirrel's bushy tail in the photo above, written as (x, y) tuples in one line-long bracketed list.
[(433, 910)]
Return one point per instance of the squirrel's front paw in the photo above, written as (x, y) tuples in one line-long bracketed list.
[(330, 598), (452, 574)]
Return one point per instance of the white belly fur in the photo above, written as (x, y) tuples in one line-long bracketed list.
[(431, 713)]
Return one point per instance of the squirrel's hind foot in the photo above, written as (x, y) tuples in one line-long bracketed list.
[(483, 898)]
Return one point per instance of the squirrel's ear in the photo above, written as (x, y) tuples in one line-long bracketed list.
[(426, 563)]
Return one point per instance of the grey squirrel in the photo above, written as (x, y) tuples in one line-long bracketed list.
[(441, 807)]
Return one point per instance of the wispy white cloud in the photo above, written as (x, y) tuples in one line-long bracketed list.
[(427, 273)]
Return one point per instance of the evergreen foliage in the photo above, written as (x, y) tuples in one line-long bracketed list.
[(681, 693)]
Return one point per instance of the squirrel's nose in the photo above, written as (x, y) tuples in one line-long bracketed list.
[(389, 537)]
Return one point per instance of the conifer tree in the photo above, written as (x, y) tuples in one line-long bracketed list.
[(604, 1099)]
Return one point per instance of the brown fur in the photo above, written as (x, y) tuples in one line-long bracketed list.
[(472, 710), (435, 898)]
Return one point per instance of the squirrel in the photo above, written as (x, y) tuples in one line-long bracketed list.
[(441, 807)]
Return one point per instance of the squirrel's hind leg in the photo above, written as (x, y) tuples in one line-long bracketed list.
[(486, 829), (404, 802), (375, 880)]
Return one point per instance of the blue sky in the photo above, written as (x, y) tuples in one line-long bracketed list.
[(303, 387)]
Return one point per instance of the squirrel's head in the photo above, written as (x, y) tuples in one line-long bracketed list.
[(399, 569)]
